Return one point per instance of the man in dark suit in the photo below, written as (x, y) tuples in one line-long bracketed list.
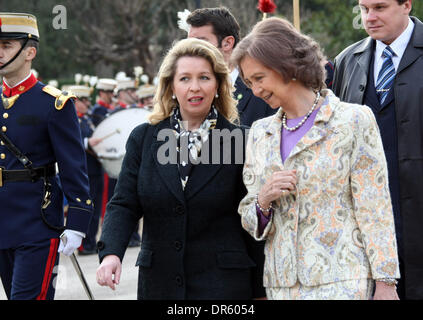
[(384, 71), (219, 27)]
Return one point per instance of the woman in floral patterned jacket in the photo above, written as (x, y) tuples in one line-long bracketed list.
[(316, 177)]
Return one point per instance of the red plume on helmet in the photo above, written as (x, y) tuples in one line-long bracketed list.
[(266, 6)]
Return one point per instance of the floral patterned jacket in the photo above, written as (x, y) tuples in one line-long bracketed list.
[(339, 225)]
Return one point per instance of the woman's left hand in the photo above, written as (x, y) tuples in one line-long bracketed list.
[(385, 292)]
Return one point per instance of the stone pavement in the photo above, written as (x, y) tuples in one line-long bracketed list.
[(69, 287)]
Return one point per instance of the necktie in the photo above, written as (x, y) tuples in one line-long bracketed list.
[(386, 75)]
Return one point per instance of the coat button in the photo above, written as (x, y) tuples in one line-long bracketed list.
[(5, 115), (179, 281), (361, 87), (178, 245), (100, 245), (4, 129), (3, 156), (179, 210)]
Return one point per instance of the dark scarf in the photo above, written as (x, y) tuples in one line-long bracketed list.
[(193, 139)]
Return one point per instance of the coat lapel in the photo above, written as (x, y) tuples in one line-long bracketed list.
[(414, 48), (413, 52), (363, 55), (168, 172), (273, 142), (318, 131), (201, 174)]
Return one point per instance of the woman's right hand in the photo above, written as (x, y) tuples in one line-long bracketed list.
[(109, 271), (281, 183)]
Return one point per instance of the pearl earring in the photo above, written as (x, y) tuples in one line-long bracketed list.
[(217, 95), (174, 97)]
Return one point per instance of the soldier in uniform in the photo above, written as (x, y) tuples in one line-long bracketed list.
[(104, 104), (126, 94), (95, 169), (124, 90), (145, 95), (39, 130), (100, 111), (126, 98)]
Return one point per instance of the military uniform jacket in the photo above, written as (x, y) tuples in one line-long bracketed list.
[(94, 167), (46, 136), (99, 112)]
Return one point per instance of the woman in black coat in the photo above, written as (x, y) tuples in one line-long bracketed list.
[(182, 174)]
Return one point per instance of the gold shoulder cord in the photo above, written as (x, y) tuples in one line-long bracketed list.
[(61, 96)]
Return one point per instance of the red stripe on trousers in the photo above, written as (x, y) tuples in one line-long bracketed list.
[(105, 195), (54, 243)]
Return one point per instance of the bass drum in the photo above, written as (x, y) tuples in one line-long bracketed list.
[(114, 131)]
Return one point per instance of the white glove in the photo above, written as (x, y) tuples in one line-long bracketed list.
[(70, 240)]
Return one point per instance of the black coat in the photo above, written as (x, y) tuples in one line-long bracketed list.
[(193, 245), (350, 82)]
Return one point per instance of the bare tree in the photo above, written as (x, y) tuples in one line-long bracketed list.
[(120, 34), (246, 12), (125, 33)]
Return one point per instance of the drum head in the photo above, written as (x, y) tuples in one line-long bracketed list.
[(114, 132)]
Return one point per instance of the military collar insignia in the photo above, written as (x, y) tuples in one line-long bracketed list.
[(123, 105), (104, 104), (21, 88), (9, 102)]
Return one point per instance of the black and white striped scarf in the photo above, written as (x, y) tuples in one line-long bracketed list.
[(196, 139)]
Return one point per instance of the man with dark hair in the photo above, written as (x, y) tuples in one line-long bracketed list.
[(29, 43), (384, 71), (219, 27), (39, 130)]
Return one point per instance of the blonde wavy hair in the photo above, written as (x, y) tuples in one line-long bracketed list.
[(192, 47)]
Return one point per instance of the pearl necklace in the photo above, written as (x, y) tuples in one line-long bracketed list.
[(316, 101)]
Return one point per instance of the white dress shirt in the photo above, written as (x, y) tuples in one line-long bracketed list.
[(234, 75), (20, 82)]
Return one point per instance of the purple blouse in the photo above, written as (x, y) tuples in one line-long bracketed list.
[(288, 141)]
